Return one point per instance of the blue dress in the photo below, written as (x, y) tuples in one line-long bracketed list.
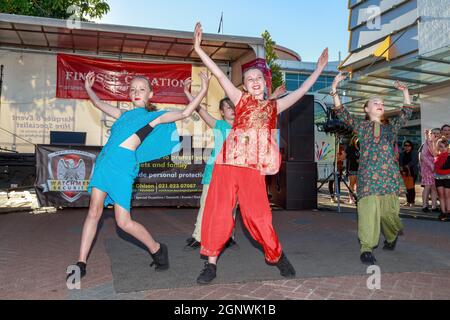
[(116, 168), (221, 131)]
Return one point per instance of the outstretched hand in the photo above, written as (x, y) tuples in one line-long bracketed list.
[(198, 33), (404, 89), (338, 79), (90, 79), (279, 91), (401, 86), (187, 85), (205, 78), (323, 60)]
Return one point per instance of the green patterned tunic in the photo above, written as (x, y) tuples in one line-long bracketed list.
[(378, 172)]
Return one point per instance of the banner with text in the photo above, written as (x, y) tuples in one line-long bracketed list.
[(63, 175), (112, 78)]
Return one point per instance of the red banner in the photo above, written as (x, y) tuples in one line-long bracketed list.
[(260, 64), (113, 79)]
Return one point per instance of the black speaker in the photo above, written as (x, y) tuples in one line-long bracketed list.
[(17, 169), (68, 138), (297, 131), (295, 186)]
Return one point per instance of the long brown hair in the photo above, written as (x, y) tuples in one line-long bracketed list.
[(224, 101), (150, 106), (366, 105), (354, 141)]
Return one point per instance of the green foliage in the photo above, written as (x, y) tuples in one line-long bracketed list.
[(271, 58), (88, 9)]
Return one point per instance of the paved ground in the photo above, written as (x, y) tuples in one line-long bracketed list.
[(36, 249), (407, 212)]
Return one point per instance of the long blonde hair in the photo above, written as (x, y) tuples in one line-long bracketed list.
[(444, 141), (354, 141), (148, 105)]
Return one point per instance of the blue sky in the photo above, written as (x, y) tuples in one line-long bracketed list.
[(305, 26)]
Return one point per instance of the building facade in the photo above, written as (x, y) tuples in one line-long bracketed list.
[(406, 40)]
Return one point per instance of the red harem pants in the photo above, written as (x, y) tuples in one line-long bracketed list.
[(228, 185)]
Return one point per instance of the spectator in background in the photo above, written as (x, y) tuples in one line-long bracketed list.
[(426, 161), (409, 167), (352, 164), (442, 175), (445, 131)]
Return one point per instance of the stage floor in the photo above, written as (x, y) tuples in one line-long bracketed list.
[(36, 249)]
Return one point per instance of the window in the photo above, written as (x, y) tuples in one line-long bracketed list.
[(295, 80)]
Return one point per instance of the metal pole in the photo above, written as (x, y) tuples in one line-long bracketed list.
[(336, 174), (1, 87)]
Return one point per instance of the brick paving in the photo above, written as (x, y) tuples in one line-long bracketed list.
[(36, 249)]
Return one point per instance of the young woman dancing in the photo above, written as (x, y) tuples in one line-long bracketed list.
[(138, 135), (379, 180)]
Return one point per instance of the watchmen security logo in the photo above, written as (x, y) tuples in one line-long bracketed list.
[(69, 172)]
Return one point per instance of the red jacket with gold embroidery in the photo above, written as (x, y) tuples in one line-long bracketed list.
[(252, 141)]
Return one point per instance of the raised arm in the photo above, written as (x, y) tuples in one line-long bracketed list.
[(179, 115), (278, 92), (341, 112), (210, 120), (404, 89), (406, 111), (431, 142), (103, 106), (187, 91), (230, 90), (291, 99)]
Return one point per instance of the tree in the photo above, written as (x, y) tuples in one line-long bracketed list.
[(59, 9), (271, 58)]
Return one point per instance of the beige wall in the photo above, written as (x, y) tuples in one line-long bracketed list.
[(435, 109)]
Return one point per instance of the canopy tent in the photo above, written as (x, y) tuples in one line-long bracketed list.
[(22, 33)]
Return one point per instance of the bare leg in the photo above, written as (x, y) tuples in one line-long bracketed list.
[(434, 197), (331, 188), (447, 200), (135, 229), (91, 223), (212, 260), (425, 196), (352, 187), (441, 192)]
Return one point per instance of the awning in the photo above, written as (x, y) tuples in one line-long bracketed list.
[(421, 72), (359, 59), (55, 35)]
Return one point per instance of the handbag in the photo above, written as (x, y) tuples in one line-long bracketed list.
[(408, 180)]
